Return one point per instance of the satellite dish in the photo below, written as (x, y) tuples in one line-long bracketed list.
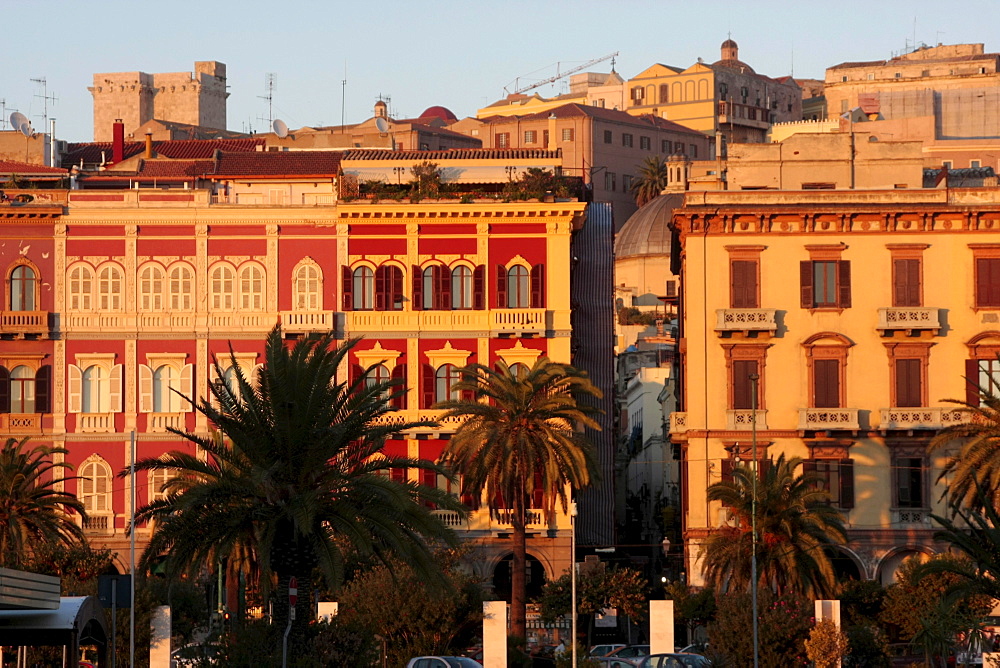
[(19, 122), (25, 129), (280, 128), (382, 125)]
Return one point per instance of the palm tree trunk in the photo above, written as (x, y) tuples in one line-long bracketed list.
[(517, 581)]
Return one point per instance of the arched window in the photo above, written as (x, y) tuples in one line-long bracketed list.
[(447, 376), (151, 288), (461, 288), (81, 287), (364, 289), (223, 284), (429, 288), (519, 370), (157, 479), (165, 381), (22, 289), (109, 288), (664, 93), (307, 288), (518, 287), (22, 390), (95, 390), (181, 288), (251, 288), (95, 487), (379, 374)]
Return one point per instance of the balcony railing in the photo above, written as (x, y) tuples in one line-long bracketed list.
[(239, 321), (930, 417), (23, 323), (518, 320), (305, 322), (742, 420), (21, 423), (97, 523), (450, 518), (183, 320), (678, 423), (828, 418), (418, 415), (735, 112), (911, 517), (908, 317), (745, 320), (161, 422), (533, 518), (95, 422)]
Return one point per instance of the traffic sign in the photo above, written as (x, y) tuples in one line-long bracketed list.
[(293, 591)]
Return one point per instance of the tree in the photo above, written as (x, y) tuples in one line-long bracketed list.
[(826, 645), (597, 590), (519, 437), (33, 512), (295, 479), (784, 623), (650, 179), (426, 180), (796, 525)]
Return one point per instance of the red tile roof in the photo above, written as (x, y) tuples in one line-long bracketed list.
[(27, 168), (175, 168), (578, 110), (454, 154), (278, 164), (184, 149)]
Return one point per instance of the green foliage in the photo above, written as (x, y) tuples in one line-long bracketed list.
[(535, 183), (861, 601), (393, 602), (630, 315), (867, 647), (597, 590), (650, 179), (826, 644), (76, 565), (426, 181), (337, 644), (694, 607), (784, 624)]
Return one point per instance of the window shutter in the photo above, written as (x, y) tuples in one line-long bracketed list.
[(806, 281), (75, 388), (538, 286), (468, 395), (4, 390), (972, 382), (846, 483), (744, 284), (742, 387), (808, 466), (537, 491), (427, 386), (479, 288), (417, 282), (826, 378), (347, 289), (145, 389), (501, 286), (906, 282), (844, 283), (399, 375), (115, 398), (444, 288), (187, 387), (356, 373), (396, 294), (908, 394), (43, 386), (913, 281), (382, 287)]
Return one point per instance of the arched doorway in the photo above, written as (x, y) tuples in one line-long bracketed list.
[(845, 567), (534, 578), (891, 562)]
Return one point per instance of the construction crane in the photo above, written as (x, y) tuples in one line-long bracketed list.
[(559, 75)]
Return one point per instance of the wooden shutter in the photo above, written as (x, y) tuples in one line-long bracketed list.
[(347, 289), (806, 282), (145, 389), (537, 492), (468, 395), (396, 289), (4, 390), (382, 288), (187, 386), (826, 383), (743, 274), (908, 390), (987, 281), (427, 386), (444, 288), (501, 286), (479, 287), (356, 373), (844, 283), (75, 394), (846, 483), (972, 382), (417, 282), (43, 390), (399, 375), (538, 286), (906, 282), (115, 400), (742, 386)]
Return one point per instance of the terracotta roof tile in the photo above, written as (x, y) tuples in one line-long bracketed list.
[(190, 149), (175, 168), (279, 163), (27, 168), (454, 154), (578, 110)]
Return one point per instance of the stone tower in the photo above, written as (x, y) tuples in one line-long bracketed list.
[(194, 98)]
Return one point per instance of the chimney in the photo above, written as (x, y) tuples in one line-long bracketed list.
[(118, 142), (149, 144), (552, 132)]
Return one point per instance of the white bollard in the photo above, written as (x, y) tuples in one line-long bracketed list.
[(159, 637), (494, 634), (828, 609), (661, 627)]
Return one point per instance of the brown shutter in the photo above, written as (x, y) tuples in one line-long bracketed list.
[(538, 286), (444, 288), (479, 288), (356, 373), (742, 386), (417, 282), (826, 379), (399, 375), (427, 386), (347, 289), (906, 282), (4, 390), (501, 286), (913, 282), (396, 292), (537, 492), (43, 384), (908, 394), (743, 274), (806, 281), (846, 483), (382, 283), (844, 283), (972, 382)]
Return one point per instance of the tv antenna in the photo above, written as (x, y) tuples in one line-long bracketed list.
[(343, 96), (45, 99), (270, 81), (3, 114)]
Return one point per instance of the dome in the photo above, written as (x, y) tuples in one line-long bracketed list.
[(730, 44), (443, 113), (647, 231)]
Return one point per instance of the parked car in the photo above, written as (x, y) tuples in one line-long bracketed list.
[(696, 648), (605, 649), (443, 662), (674, 660), (615, 662), (192, 655), (630, 652)]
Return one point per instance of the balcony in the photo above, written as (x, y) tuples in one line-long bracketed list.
[(824, 419), (910, 318), (518, 321), (164, 422), (100, 523), (931, 417), (306, 322), (911, 518), (744, 114), (23, 324), (742, 420), (418, 415), (745, 320), (179, 320), (21, 423), (95, 423), (534, 519), (450, 518), (241, 321), (678, 423)]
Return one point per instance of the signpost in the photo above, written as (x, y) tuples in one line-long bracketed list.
[(293, 598)]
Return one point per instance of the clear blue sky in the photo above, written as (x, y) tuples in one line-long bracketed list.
[(456, 53)]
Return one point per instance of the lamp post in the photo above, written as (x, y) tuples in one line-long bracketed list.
[(754, 378), (572, 578)]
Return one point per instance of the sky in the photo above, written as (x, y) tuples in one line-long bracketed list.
[(460, 54)]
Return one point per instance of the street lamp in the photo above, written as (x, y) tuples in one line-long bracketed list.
[(572, 579), (754, 378)]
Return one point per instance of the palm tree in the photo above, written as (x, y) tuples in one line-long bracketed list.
[(519, 436), (32, 510), (977, 463), (650, 179), (796, 527), (295, 479)]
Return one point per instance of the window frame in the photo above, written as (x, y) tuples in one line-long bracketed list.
[(910, 352), (462, 297), (180, 287), (307, 288), (445, 378), (830, 256), (827, 346), (23, 290), (363, 288), (80, 287), (222, 280), (110, 285), (737, 355), (152, 281), (251, 281), (986, 257), (518, 286)]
